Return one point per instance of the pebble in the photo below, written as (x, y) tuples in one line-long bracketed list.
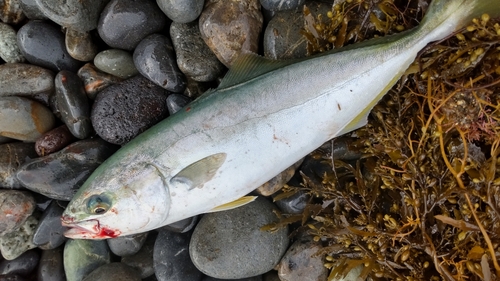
[(73, 104), (255, 278), (302, 263), (54, 140), (176, 102), (142, 261), (116, 62), (294, 204), (94, 80), (154, 58), (111, 116), (81, 257), (11, 12), (124, 23), (9, 51), (231, 27), (31, 10), (115, 271), (19, 79), (127, 245), (59, 175), (182, 226), (181, 11), (17, 242), (15, 208), (13, 155), (42, 44), (23, 265), (49, 234), (74, 14), (281, 5), (275, 184), (51, 266), (11, 278), (80, 45), (171, 257), (194, 57), (231, 245)]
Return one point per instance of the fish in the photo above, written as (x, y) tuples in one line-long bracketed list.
[(263, 117)]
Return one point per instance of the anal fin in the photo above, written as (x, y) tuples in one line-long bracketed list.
[(234, 204)]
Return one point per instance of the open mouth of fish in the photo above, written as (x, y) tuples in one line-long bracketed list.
[(89, 229)]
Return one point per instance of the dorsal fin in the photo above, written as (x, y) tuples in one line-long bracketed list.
[(250, 65)]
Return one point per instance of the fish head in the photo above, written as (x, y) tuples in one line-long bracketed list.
[(119, 202)]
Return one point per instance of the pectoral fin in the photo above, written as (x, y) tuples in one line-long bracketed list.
[(234, 204), (201, 171)]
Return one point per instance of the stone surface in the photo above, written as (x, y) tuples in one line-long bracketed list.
[(51, 267), (280, 5), (181, 11), (142, 261), (115, 271), (124, 23), (294, 204), (23, 265), (59, 175), (9, 51), (80, 45), (255, 278), (17, 242), (49, 233), (194, 57), (127, 245), (42, 44), (11, 12), (231, 245), (231, 27), (12, 156), (116, 62), (276, 183), (15, 208), (176, 102), (111, 116), (54, 140), (94, 80), (81, 257), (31, 10), (73, 104), (75, 14), (302, 263), (154, 58), (182, 226), (19, 79)]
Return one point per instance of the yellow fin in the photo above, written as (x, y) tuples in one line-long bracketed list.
[(234, 204), (201, 171)]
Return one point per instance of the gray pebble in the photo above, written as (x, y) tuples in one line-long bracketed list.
[(49, 234), (182, 226), (142, 261), (116, 62), (22, 265), (182, 11), (31, 10), (301, 262), (9, 51), (176, 102), (15, 243), (280, 5), (80, 45), (19, 79), (127, 245), (294, 204), (255, 278), (51, 267), (115, 271), (81, 257), (12, 156)]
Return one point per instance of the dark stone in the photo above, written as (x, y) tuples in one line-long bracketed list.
[(51, 266), (54, 140), (142, 261), (115, 271), (182, 226), (81, 257), (176, 102), (294, 204), (23, 265), (49, 234), (255, 278), (31, 10), (19, 79), (127, 245), (12, 156), (94, 80), (80, 45), (181, 11), (280, 5)]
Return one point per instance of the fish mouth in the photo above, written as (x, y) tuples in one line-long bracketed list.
[(88, 229)]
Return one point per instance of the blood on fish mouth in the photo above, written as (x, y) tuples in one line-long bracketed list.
[(87, 229)]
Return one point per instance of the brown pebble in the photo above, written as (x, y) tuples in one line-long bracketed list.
[(11, 12), (94, 80), (54, 140)]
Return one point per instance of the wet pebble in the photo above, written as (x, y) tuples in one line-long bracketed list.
[(21, 79), (171, 257), (31, 10), (194, 58), (59, 175), (280, 5), (281, 39), (116, 62), (80, 45), (181, 11), (231, 245), (54, 140), (15, 208), (73, 104), (115, 271), (49, 232), (23, 265), (9, 51), (176, 102), (142, 261), (301, 262), (276, 183), (51, 266), (231, 27), (81, 257), (11, 12), (294, 204), (127, 245), (95, 80), (13, 155), (124, 23), (42, 43), (111, 116), (15, 243)]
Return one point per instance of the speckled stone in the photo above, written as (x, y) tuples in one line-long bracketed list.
[(49, 233), (19, 79), (115, 271), (231, 245), (54, 140), (181, 11), (15, 243), (281, 5), (127, 245), (80, 45), (301, 262), (12, 156), (94, 80), (51, 267), (11, 12), (231, 27), (116, 62), (124, 23), (15, 208), (194, 58), (23, 119), (9, 51), (81, 257), (276, 183)]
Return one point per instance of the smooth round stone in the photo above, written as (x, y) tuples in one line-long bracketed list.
[(23, 119), (255, 278), (243, 249), (294, 204), (80, 45), (15, 208), (124, 23), (181, 11), (194, 57), (277, 183), (23, 265), (154, 58), (9, 51), (19, 79), (302, 260), (15, 243), (280, 5), (74, 14), (11, 12), (51, 266), (231, 27), (31, 10), (111, 116), (81, 257), (94, 80), (49, 234), (42, 43), (127, 245), (182, 226), (59, 175), (116, 62), (142, 261), (115, 271), (176, 102), (54, 140), (73, 104), (13, 155), (171, 257)]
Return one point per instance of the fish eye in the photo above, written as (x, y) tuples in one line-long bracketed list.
[(98, 204)]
